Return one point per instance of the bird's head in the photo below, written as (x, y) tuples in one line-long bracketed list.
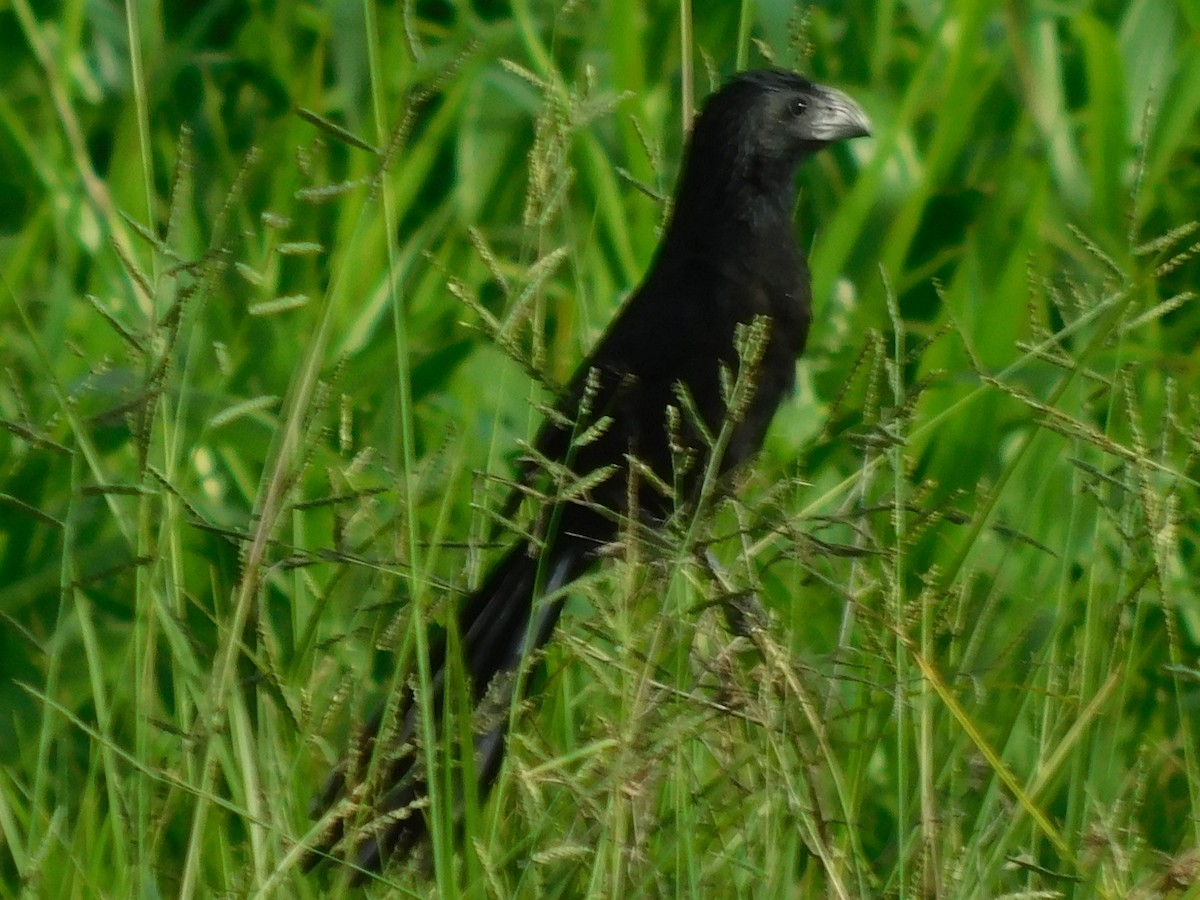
[(756, 129)]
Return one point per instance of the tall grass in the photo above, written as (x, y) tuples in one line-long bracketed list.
[(286, 287)]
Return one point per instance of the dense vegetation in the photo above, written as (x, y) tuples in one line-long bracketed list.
[(285, 285)]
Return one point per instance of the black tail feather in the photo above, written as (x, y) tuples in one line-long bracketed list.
[(496, 632)]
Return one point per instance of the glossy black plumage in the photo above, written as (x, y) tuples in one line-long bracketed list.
[(727, 260)]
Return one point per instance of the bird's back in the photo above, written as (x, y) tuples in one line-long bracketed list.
[(674, 345)]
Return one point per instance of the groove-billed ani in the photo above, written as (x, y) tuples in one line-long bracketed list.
[(728, 265)]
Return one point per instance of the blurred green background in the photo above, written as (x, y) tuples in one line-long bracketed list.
[(276, 278)]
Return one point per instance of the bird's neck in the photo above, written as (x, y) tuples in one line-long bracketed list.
[(714, 216)]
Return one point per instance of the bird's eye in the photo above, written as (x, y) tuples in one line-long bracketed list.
[(799, 106)]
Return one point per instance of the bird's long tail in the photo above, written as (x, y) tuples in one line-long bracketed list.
[(498, 625)]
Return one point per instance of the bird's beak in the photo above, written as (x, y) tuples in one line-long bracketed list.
[(835, 117)]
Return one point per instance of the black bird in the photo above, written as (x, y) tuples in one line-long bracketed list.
[(727, 271)]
